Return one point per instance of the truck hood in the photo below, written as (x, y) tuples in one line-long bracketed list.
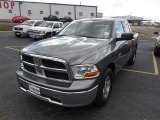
[(41, 28), (72, 49), (23, 26)]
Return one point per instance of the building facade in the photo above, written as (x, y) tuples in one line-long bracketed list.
[(37, 10)]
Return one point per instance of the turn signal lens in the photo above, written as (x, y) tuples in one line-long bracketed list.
[(91, 74)]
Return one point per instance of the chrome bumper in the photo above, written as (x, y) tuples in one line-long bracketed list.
[(33, 35), (21, 32), (68, 99), (41, 97)]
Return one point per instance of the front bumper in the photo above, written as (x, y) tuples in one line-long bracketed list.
[(33, 35), (23, 33), (60, 97)]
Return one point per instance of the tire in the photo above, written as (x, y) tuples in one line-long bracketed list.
[(34, 39), (132, 59), (18, 35), (104, 88), (48, 35), (155, 52)]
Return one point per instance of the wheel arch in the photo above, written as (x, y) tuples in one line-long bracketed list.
[(112, 67)]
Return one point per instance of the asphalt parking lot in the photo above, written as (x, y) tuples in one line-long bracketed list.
[(135, 94)]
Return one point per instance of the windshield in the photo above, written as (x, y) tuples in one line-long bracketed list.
[(47, 24), (88, 28), (29, 23)]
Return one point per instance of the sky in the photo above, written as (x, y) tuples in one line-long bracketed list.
[(149, 9)]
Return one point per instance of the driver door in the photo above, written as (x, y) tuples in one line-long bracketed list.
[(122, 47)]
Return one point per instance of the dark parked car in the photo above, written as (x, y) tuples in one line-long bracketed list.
[(20, 19), (66, 19), (51, 18), (77, 67)]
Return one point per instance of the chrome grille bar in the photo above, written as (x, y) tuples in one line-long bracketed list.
[(41, 69)]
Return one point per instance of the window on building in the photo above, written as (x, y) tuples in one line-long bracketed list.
[(29, 12), (41, 12), (57, 13), (10, 11), (69, 13), (80, 13), (92, 14)]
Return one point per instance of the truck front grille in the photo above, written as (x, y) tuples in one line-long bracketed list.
[(27, 58), (18, 28), (45, 67), (57, 75), (29, 68), (53, 64)]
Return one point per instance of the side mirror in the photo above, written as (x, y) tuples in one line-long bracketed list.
[(126, 36), (156, 33)]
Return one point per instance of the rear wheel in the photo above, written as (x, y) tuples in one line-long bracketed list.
[(104, 88)]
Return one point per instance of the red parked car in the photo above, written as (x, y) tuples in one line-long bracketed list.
[(20, 19)]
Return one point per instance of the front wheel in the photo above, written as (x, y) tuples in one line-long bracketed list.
[(48, 35), (155, 52), (132, 59), (104, 88), (17, 35)]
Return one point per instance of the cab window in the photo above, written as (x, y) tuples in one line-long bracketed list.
[(119, 27), (126, 27), (56, 25), (38, 23)]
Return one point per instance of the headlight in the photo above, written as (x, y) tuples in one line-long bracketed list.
[(85, 71), (42, 32)]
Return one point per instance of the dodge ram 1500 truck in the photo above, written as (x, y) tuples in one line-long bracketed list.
[(77, 67)]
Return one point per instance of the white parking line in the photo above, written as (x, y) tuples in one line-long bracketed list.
[(8, 47)]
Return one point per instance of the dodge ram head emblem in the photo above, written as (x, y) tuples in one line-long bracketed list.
[(38, 66)]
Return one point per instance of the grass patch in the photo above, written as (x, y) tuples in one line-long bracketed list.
[(145, 31), (6, 26)]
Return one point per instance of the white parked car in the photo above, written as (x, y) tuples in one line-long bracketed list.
[(46, 30), (23, 28)]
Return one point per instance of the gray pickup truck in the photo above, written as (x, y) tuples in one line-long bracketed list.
[(77, 67)]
